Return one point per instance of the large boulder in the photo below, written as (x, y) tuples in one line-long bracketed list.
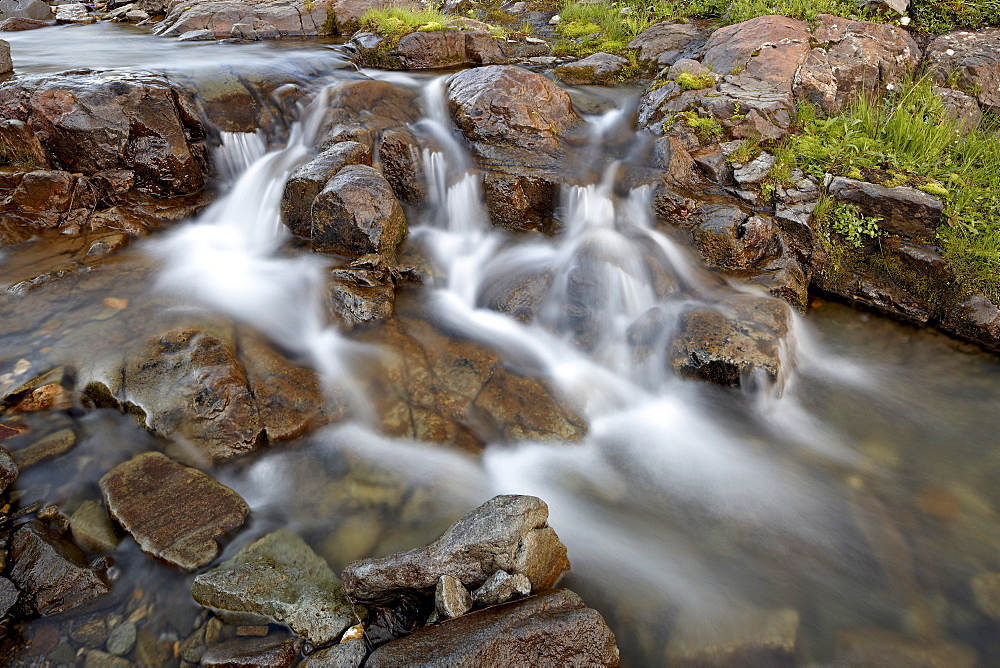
[(597, 68), (174, 513), (665, 43), (278, 579), (974, 57), (908, 212), (309, 179), (423, 50), (509, 533), (554, 628), (25, 9), (345, 15), (91, 121), (262, 19)]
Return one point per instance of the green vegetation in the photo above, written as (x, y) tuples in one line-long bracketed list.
[(688, 81), (395, 22), (705, 127), (939, 16), (847, 221)]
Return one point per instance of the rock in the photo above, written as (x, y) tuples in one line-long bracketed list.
[(74, 12), (755, 171), (976, 318), (20, 146), (347, 13), (350, 654), (730, 239), (714, 164), (725, 345), (92, 528), (506, 533), (35, 10), (747, 638), (986, 593), (91, 634), (202, 35), (500, 588), (687, 66), (136, 16), (253, 653), (173, 512), (434, 49), (518, 295), (358, 296), (97, 659), (897, 7), (92, 121), (506, 104), (16, 24), (8, 596), (121, 640), (268, 19), (855, 57), (908, 212), (975, 57), (308, 180), (278, 579), (451, 599), (8, 470), (51, 573), (961, 108), (363, 109), (554, 628), (598, 68), (6, 64), (47, 447), (855, 649), (357, 214), (664, 44), (769, 48), (401, 156)]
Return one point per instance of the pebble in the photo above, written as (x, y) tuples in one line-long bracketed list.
[(122, 639), (451, 598)]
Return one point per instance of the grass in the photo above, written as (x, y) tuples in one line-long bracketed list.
[(940, 16), (395, 22)]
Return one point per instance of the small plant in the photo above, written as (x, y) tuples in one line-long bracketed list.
[(936, 189), (745, 152), (688, 81), (848, 221), (705, 128)]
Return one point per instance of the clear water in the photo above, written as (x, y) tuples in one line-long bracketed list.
[(862, 497)]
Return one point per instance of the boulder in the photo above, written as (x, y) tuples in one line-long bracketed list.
[(260, 19), (855, 57), (509, 533), (554, 628), (908, 212), (730, 239), (308, 180), (747, 638), (20, 146), (174, 513), (362, 109), (741, 337), (402, 158), (423, 50), (974, 57), (597, 68), (253, 653), (663, 44), (768, 47), (74, 12), (15, 24), (278, 579), (357, 214), (25, 9), (91, 121), (51, 573)]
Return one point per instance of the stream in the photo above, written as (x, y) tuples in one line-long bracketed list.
[(856, 493)]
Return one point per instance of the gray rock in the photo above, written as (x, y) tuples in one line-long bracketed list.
[(905, 211), (174, 513), (17, 24), (278, 579), (500, 588), (75, 12), (92, 528), (121, 640), (308, 180), (136, 16), (975, 56), (665, 43), (897, 7), (713, 164), (755, 171), (451, 599), (51, 573), (598, 68), (25, 9), (6, 64), (507, 533), (552, 629), (253, 653), (350, 654), (203, 35), (961, 108), (8, 470), (746, 638), (8, 596)]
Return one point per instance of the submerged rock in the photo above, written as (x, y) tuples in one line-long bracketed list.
[(746, 638), (509, 533), (51, 573), (92, 528), (278, 579), (858, 649), (174, 513), (598, 68), (8, 470), (554, 628), (986, 593), (253, 653)]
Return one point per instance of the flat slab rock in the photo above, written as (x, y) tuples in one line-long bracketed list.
[(278, 579), (51, 572), (552, 629), (509, 533), (174, 513)]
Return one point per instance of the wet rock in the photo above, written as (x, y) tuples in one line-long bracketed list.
[(975, 57), (90, 121), (350, 654), (598, 68), (747, 638), (363, 109), (664, 44), (346, 14), (357, 213), (74, 12), (725, 345), (268, 19), (308, 180), (121, 640), (92, 528), (961, 108), (451, 598), (506, 533), (518, 196), (855, 57), (510, 105), (173, 512), (278, 579), (986, 593), (52, 574), (519, 295), (500, 588), (754, 171), (976, 318), (436, 49), (47, 447), (908, 212), (883, 648), (17, 24), (8, 596), (397, 616), (98, 659), (358, 296), (25, 9), (253, 652), (729, 238), (91, 634), (403, 165), (554, 628), (8, 470), (20, 146)]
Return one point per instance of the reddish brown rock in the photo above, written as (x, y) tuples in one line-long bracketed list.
[(308, 180), (261, 19), (424, 50), (174, 513)]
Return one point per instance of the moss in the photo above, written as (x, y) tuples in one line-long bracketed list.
[(706, 128), (688, 81)]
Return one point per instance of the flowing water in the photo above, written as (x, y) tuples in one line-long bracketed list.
[(858, 491)]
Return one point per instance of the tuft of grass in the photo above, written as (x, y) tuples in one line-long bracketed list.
[(706, 128), (688, 81), (941, 16), (398, 21)]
